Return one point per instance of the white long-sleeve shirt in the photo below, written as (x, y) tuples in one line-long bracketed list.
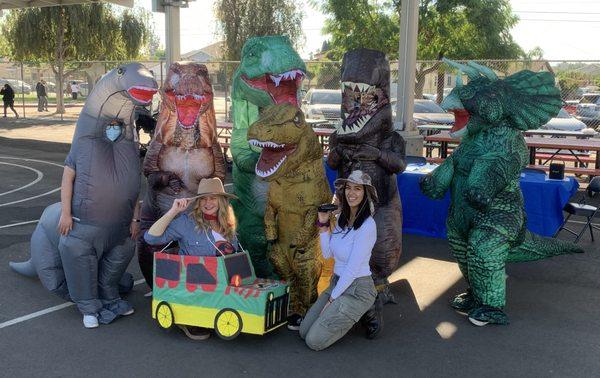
[(351, 251)]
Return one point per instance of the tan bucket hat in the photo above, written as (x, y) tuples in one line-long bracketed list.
[(212, 187), (360, 178)]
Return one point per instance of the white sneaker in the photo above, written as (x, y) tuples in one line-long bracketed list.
[(90, 321), (129, 312), (148, 294)]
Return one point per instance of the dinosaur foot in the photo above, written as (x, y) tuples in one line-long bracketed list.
[(485, 315), (465, 302)]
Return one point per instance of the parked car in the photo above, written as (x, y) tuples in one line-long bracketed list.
[(427, 112), (588, 109), (564, 121), (17, 85), (570, 106), (323, 104)]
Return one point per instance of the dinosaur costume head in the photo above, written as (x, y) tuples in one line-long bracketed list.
[(270, 72), (188, 97), (365, 95), (525, 100), (287, 141), (114, 98)]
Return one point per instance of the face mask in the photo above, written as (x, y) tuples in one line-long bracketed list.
[(113, 132)]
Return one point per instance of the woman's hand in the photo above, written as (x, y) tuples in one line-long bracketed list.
[(65, 224), (179, 206), (324, 216)]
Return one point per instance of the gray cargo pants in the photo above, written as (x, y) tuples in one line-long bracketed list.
[(320, 330)]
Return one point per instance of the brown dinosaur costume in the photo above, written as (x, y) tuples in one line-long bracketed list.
[(291, 160), (184, 149)]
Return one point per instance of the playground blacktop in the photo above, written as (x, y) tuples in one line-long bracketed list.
[(552, 304)]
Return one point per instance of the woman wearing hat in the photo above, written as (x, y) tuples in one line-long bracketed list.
[(349, 241), (207, 230)]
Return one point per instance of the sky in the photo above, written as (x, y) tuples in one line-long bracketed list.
[(564, 29)]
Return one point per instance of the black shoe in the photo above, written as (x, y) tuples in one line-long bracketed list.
[(465, 302), (485, 315), (373, 318), (293, 322)]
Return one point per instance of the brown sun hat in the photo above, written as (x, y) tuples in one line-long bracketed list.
[(360, 178), (212, 187)]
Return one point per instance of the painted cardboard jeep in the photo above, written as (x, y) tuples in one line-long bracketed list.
[(219, 292)]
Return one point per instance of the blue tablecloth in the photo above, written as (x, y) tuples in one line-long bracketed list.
[(544, 200)]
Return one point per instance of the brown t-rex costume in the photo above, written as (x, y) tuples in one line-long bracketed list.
[(291, 160), (184, 148)]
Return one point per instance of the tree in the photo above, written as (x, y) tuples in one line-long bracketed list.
[(66, 34), (242, 19), (457, 29)]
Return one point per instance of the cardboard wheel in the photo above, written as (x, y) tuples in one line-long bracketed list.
[(228, 324), (164, 315)]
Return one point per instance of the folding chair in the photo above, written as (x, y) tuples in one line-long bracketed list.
[(584, 210)]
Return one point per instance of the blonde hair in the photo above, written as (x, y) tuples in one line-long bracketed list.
[(225, 218)]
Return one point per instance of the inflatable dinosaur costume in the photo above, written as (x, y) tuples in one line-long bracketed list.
[(366, 140), (270, 73), (292, 161), (486, 220), (86, 265), (184, 149)]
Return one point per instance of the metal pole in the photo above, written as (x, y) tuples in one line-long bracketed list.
[(22, 90), (226, 89), (172, 33), (407, 61), (161, 73)]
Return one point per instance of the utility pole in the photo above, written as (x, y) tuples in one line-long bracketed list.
[(172, 27)]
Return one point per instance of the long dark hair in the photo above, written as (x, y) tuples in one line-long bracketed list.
[(361, 215)]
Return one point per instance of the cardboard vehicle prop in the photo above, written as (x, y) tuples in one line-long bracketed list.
[(219, 292)]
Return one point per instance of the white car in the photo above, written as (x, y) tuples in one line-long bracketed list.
[(323, 104), (588, 109), (564, 121), (427, 112)]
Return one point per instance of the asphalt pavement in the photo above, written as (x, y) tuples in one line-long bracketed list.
[(552, 305)]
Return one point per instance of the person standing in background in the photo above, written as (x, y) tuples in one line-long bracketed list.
[(8, 97), (42, 96), (74, 90)]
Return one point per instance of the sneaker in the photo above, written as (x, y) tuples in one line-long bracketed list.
[(128, 312), (485, 315), (148, 294), (465, 302), (293, 322), (195, 333), (90, 321)]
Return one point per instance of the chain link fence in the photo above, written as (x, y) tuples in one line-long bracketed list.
[(578, 81)]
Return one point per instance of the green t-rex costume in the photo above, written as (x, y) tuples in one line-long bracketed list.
[(292, 161), (270, 73), (486, 221)]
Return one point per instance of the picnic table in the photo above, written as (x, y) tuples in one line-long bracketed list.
[(573, 147), (559, 133)]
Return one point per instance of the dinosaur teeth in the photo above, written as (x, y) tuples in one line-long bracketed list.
[(271, 170), (268, 144)]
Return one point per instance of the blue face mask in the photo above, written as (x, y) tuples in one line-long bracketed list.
[(113, 132)]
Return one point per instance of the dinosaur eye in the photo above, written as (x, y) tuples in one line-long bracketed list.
[(298, 120), (120, 71)]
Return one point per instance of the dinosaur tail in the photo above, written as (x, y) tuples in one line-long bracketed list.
[(25, 268), (536, 247)]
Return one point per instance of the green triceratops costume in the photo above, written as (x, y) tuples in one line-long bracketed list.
[(292, 161), (270, 73), (486, 221)]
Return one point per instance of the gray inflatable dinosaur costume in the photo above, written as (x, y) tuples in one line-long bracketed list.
[(86, 265)]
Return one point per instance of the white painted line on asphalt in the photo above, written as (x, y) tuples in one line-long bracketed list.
[(19, 224), (45, 311), (40, 175), (36, 160), (33, 197)]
